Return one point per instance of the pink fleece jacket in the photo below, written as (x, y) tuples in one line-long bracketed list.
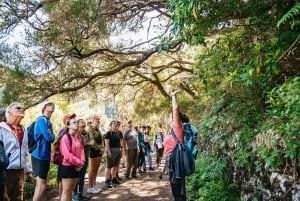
[(72, 155)]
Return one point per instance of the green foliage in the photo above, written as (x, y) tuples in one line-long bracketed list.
[(279, 136), (292, 15), (209, 182)]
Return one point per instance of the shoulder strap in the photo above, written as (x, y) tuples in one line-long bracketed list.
[(174, 136)]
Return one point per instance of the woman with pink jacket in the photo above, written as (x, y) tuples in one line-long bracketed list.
[(72, 150)]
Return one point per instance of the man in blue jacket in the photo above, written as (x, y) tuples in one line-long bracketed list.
[(44, 136)]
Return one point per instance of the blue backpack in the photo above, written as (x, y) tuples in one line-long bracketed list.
[(183, 162)]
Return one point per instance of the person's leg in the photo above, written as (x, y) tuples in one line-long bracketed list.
[(40, 170), (149, 159), (107, 177), (178, 188), (93, 166), (40, 189), (80, 182), (14, 185), (97, 165), (68, 185), (134, 162), (129, 162)]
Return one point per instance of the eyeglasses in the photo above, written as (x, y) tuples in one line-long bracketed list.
[(19, 108)]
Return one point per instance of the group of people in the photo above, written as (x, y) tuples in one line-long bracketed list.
[(80, 148)]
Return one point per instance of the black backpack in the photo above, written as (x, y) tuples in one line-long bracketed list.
[(4, 161), (32, 143)]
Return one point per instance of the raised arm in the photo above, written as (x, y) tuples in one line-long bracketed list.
[(175, 110)]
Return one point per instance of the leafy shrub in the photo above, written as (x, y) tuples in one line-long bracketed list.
[(209, 183)]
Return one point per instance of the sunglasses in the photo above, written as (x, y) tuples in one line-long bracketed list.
[(20, 108)]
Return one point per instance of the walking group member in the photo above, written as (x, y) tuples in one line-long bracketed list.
[(73, 159), (113, 154), (15, 141), (158, 146), (66, 118), (131, 150), (44, 136), (148, 149), (95, 154), (87, 142), (178, 188), (141, 156)]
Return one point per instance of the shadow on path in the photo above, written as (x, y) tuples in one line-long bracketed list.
[(147, 187)]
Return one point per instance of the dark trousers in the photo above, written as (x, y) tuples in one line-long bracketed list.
[(80, 182), (178, 188), (132, 162), (14, 188), (2, 184), (141, 159)]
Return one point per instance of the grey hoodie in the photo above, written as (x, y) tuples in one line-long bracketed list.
[(18, 154)]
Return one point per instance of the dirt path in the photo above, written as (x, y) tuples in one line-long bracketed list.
[(147, 187)]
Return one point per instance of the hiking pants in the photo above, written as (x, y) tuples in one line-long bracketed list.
[(132, 162)]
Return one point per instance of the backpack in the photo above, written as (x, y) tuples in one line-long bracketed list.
[(158, 146), (189, 135), (32, 143), (4, 161), (56, 156), (184, 162)]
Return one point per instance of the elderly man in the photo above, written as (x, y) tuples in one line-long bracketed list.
[(131, 148), (14, 137)]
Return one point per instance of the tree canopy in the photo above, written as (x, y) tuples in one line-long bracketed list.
[(236, 61)]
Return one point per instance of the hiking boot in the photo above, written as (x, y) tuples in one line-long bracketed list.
[(107, 184), (151, 168), (115, 181)]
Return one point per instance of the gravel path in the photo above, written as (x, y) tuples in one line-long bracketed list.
[(146, 187)]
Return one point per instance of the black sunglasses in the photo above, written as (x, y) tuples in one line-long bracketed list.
[(20, 108)]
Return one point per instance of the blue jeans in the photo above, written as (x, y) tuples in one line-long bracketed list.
[(148, 154)]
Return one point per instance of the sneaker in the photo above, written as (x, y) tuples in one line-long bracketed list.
[(90, 190), (97, 188), (83, 197), (107, 184), (93, 190), (75, 198), (115, 181), (151, 168)]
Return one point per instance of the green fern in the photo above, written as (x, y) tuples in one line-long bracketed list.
[(289, 15)]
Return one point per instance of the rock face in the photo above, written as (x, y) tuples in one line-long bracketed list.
[(279, 187)]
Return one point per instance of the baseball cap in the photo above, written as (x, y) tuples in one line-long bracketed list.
[(67, 117), (2, 111)]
